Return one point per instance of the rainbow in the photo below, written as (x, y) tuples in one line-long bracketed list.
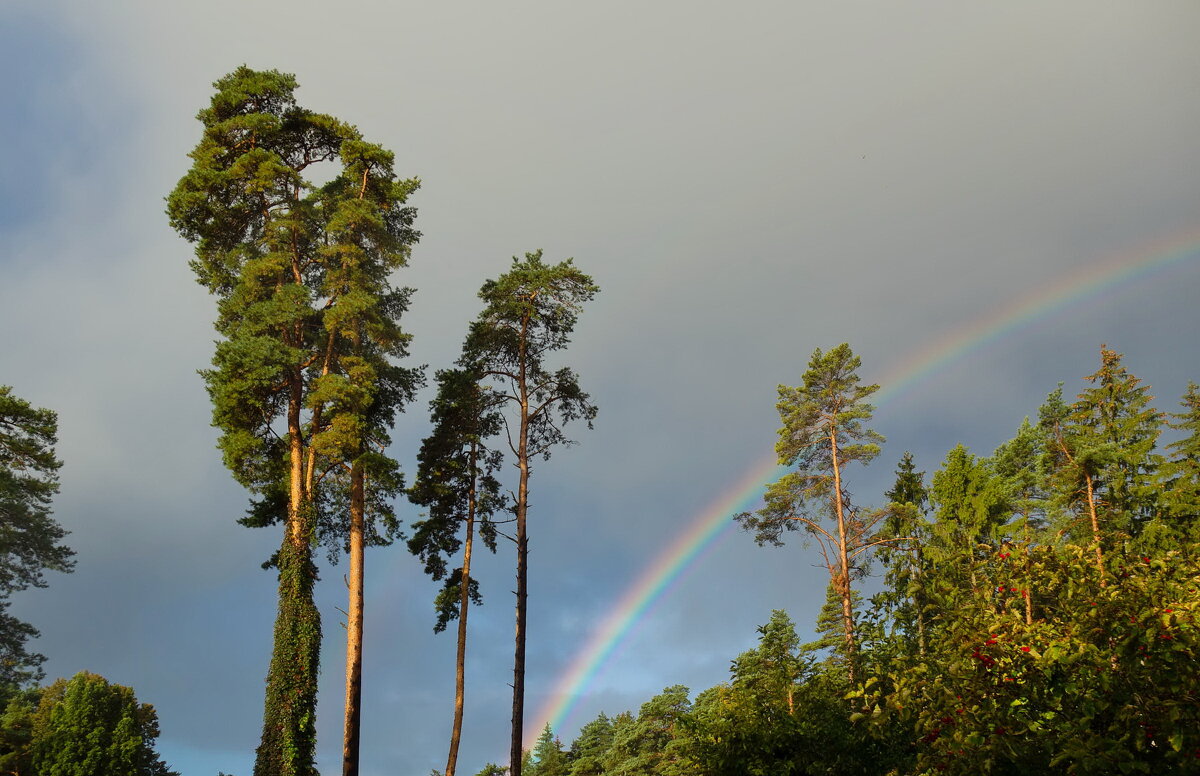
[(704, 530)]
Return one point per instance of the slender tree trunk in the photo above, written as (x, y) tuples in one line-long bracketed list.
[(464, 601), (1091, 499), (296, 529), (843, 556), (354, 625), (518, 710), (919, 601)]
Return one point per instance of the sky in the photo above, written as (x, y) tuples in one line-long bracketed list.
[(745, 182)]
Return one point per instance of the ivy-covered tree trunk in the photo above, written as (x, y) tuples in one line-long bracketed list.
[(289, 717)]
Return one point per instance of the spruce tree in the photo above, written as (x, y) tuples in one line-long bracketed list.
[(654, 744), (969, 508), (771, 671), (549, 759), (1115, 415), (1181, 474), (591, 746), (904, 559)]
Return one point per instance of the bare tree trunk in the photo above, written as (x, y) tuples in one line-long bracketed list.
[(919, 601), (1091, 498), (354, 625), (843, 556), (464, 600), (296, 531), (518, 710)]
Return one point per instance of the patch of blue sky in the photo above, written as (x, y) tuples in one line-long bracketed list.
[(46, 132)]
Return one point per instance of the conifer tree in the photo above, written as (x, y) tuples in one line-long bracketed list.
[(654, 744), (529, 313), (456, 483), (16, 731), (1099, 456), (30, 539), (301, 385), (823, 431), (590, 748), (1181, 474), (1016, 463), (904, 560), (549, 759), (969, 506), (1114, 416), (771, 670)]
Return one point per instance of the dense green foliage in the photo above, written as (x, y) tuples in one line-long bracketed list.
[(30, 539), (456, 483), (1022, 628), (84, 726)]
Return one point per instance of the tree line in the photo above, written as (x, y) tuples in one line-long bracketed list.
[(1037, 611)]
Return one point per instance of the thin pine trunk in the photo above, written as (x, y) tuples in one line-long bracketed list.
[(1091, 499), (464, 600), (354, 625), (843, 557), (919, 602), (518, 709)]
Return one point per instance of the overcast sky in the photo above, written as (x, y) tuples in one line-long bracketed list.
[(745, 181)]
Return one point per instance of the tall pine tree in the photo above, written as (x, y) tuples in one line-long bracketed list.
[(823, 431), (530, 313), (301, 384)]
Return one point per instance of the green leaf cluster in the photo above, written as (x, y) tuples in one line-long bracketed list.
[(83, 726)]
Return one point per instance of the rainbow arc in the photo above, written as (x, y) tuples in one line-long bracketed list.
[(714, 522)]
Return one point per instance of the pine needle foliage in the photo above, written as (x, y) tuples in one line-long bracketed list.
[(301, 382)]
